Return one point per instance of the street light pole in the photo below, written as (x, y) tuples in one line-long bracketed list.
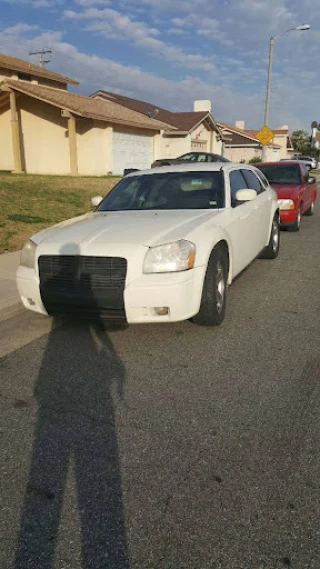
[(267, 104)]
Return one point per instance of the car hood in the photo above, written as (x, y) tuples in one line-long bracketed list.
[(285, 191), (146, 228)]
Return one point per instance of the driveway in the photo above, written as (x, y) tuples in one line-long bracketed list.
[(169, 447)]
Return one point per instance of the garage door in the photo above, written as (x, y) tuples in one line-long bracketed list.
[(131, 151)]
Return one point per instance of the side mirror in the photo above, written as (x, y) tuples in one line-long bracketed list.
[(245, 195), (311, 180), (96, 201)]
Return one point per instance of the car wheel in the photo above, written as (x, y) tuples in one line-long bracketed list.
[(214, 292), (271, 251), (296, 225), (310, 211)]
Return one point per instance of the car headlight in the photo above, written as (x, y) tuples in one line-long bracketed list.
[(170, 257), (286, 204), (28, 254)]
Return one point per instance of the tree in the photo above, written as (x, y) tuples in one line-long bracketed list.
[(301, 141), (314, 124)]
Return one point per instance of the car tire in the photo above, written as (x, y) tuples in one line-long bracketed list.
[(310, 211), (271, 251), (214, 291), (297, 224)]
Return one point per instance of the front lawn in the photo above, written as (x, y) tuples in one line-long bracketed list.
[(31, 203)]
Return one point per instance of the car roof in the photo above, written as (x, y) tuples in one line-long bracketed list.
[(190, 167)]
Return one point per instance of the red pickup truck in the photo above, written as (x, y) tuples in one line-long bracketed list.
[(296, 189)]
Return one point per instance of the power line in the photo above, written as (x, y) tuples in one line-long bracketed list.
[(41, 53)]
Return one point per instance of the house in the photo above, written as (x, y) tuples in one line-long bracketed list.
[(242, 144), (316, 139), (187, 131), (45, 129)]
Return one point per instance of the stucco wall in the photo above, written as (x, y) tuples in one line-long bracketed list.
[(44, 137), (6, 152), (203, 136), (281, 140), (237, 154), (92, 159), (7, 74), (171, 147)]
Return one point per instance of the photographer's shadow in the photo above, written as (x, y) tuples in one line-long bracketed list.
[(75, 442)]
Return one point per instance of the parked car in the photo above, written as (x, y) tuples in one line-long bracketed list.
[(190, 157), (309, 161), (296, 189), (162, 246)]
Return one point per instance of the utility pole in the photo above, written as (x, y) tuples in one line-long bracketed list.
[(41, 53)]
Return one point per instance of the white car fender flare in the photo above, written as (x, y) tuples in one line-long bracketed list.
[(220, 237)]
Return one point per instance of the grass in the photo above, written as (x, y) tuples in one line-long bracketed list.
[(29, 203)]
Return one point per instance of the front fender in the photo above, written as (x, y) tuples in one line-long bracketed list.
[(207, 241)]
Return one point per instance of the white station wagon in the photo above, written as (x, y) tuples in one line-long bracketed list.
[(162, 246)]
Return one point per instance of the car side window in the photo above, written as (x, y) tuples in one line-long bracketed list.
[(263, 179), (237, 182), (201, 158), (253, 181)]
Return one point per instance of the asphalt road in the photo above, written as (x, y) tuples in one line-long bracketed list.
[(169, 447)]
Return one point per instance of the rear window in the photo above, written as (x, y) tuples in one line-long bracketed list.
[(170, 190), (281, 173)]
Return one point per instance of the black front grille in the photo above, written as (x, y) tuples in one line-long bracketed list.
[(90, 284)]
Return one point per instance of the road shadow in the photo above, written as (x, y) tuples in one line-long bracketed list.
[(75, 439)]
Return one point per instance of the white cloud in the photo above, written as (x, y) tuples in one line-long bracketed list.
[(230, 70), (95, 73), (20, 29), (209, 27), (113, 24)]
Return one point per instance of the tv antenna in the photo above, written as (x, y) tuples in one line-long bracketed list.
[(152, 115), (41, 53)]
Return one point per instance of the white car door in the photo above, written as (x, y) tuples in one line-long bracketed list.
[(243, 225), (263, 203)]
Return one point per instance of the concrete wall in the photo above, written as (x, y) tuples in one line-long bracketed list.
[(6, 151), (44, 138)]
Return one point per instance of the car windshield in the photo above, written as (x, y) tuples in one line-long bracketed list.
[(281, 174), (176, 190)]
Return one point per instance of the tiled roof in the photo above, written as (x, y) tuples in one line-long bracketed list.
[(248, 133), (187, 121), (181, 121), (85, 106), (19, 65)]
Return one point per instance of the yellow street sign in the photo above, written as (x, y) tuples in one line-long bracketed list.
[(265, 135)]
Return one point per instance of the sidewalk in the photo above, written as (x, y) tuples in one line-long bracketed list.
[(10, 303)]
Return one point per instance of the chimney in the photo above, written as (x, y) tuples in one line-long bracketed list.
[(240, 124), (202, 106)]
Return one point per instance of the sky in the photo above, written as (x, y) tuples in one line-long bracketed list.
[(172, 52)]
